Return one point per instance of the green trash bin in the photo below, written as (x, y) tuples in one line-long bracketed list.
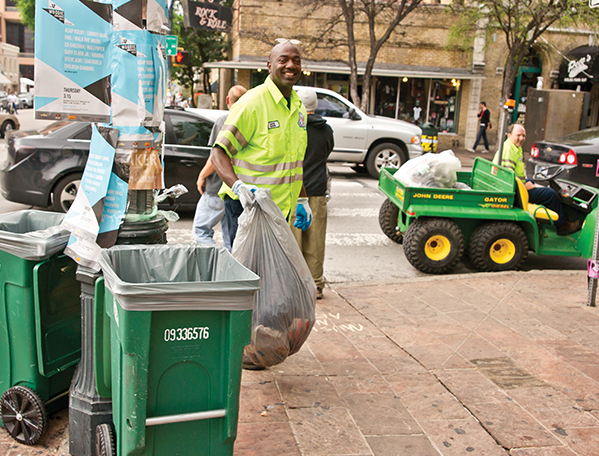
[(170, 324), (430, 137), (40, 321)]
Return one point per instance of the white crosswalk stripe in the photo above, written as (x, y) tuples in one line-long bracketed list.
[(353, 212), (358, 239)]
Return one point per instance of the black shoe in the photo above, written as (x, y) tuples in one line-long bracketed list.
[(569, 228), (319, 294)]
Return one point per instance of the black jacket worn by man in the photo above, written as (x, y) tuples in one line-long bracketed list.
[(320, 145)]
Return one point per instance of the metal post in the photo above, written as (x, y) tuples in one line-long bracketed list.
[(503, 124), (87, 409), (592, 279)]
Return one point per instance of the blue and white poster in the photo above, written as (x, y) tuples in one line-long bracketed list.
[(72, 60), (84, 216)]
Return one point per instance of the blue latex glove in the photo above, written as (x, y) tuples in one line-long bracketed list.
[(244, 192), (303, 214)]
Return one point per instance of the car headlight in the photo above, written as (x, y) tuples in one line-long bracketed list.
[(415, 139)]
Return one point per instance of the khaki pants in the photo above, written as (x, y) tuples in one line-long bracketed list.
[(312, 241)]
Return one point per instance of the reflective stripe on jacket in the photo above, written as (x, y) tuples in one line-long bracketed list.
[(266, 141)]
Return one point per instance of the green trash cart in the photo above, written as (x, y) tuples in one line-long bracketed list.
[(170, 325), (40, 321)]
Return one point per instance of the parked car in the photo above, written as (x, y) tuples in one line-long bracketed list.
[(369, 142), (25, 100), (573, 157), (45, 169), (8, 122)]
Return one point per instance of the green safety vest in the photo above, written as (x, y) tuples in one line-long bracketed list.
[(511, 158), (266, 141)]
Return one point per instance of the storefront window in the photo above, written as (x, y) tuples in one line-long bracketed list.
[(385, 100), (443, 105), (412, 99)]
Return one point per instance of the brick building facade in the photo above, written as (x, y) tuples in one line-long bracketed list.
[(418, 76)]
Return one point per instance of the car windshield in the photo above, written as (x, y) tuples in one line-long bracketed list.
[(54, 127), (589, 134), (329, 106)]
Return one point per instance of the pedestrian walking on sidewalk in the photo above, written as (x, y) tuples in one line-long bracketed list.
[(485, 123), (320, 145), (263, 142), (211, 208)]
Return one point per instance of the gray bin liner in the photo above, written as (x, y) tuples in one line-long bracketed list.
[(177, 277), (32, 235)]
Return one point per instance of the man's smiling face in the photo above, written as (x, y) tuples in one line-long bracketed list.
[(285, 66)]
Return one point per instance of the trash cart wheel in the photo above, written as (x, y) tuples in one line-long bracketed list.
[(433, 245), (498, 246), (23, 414), (388, 215), (105, 444)]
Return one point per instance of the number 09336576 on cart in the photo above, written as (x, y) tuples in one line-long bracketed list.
[(194, 333)]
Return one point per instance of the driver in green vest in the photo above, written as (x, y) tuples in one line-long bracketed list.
[(263, 142)]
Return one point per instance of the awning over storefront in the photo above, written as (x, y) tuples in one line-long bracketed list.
[(4, 79), (580, 67), (249, 63)]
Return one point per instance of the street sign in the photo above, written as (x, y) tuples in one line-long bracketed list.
[(171, 44), (593, 3)]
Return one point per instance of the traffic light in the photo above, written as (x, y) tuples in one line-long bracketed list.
[(182, 58)]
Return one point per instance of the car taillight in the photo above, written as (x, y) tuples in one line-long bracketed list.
[(415, 139), (22, 152), (568, 158), (534, 151)]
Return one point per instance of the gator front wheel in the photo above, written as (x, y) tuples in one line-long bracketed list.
[(388, 216), (433, 246), (498, 246)]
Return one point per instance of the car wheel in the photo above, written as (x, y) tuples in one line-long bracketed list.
[(388, 216), (386, 155), (433, 245), (8, 125), (65, 191), (498, 246)]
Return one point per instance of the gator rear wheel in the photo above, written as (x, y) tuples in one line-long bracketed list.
[(434, 245), (388, 216), (498, 246), (23, 414), (105, 444)]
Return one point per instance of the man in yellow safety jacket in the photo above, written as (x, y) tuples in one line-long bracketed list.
[(263, 142)]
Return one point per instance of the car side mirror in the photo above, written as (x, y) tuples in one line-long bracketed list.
[(353, 115)]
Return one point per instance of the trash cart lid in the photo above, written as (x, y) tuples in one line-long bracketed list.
[(31, 234), (177, 277)]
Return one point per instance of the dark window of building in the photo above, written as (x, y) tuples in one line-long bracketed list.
[(19, 35), (10, 3), (26, 71)]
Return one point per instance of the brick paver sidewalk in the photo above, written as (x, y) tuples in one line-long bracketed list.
[(483, 364)]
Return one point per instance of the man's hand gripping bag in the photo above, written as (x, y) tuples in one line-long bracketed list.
[(284, 308)]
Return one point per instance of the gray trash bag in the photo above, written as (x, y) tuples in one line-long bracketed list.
[(177, 277), (32, 235), (284, 311)]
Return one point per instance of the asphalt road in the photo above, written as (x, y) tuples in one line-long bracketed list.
[(356, 248)]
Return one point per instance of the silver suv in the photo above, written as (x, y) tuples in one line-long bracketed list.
[(369, 142), (366, 140)]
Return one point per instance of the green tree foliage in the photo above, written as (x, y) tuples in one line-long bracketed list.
[(521, 22), (27, 10), (204, 46)]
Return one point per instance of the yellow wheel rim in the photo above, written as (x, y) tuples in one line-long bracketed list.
[(502, 251), (437, 248)]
